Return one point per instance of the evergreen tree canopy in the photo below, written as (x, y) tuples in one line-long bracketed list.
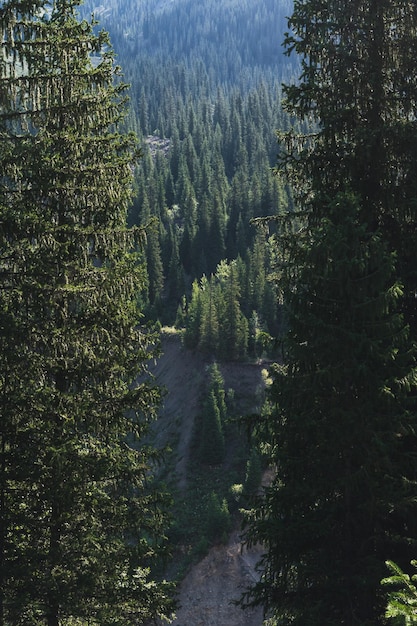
[(341, 422), (337, 426), (359, 84), (205, 114), (79, 521)]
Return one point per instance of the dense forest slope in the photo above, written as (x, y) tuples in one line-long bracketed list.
[(233, 40), (206, 104)]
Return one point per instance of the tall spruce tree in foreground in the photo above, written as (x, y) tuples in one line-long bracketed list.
[(79, 521), (340, 425)]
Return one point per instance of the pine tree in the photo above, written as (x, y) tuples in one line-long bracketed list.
[(79, 522), (215, 244), (194, 317), (154, 265), (234, 326), (211, 436), (341, 425), (257, 272), (209, 327), (216, 385), (175, 279), (253, 475), (402, 600), (358, 83), (210, 433), (218, 520), (336, 428)]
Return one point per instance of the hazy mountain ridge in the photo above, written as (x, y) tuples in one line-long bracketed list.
[(229, 37)]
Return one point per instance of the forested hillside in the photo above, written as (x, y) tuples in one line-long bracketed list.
[(83, 516), (236, 252), (206, 101)]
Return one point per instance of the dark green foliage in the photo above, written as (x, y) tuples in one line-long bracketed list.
[(194, 314), (80, 523), (210, 433), (218, 521), (253, 473), (211, 450), (202, 512), (232, 42), (221, 319), (154, 265), (341, 428), (234, 329), (209, 327), (207, 123), (335, 427), (358, 82), (216, 385), (214, 322)]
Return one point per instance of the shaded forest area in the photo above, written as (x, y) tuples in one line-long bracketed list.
[(206, 101)]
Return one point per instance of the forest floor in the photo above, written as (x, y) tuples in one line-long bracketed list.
[(207, 592)]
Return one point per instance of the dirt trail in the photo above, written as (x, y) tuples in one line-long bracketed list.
[(207, 593)]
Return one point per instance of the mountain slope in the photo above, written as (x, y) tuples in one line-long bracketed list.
[(233, 39), (207, 593), (182, 373)]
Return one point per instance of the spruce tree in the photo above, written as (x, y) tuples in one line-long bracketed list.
[(79, 523), (341, 423), (234, 326), (194, 315), (359, 85), (216, 385), (209, 327), (336, 426), (212, 444)]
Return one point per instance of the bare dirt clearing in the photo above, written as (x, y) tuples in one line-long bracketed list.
[(182, 373), (207, 593)]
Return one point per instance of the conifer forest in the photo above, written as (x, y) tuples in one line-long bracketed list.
[(236, 178)]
